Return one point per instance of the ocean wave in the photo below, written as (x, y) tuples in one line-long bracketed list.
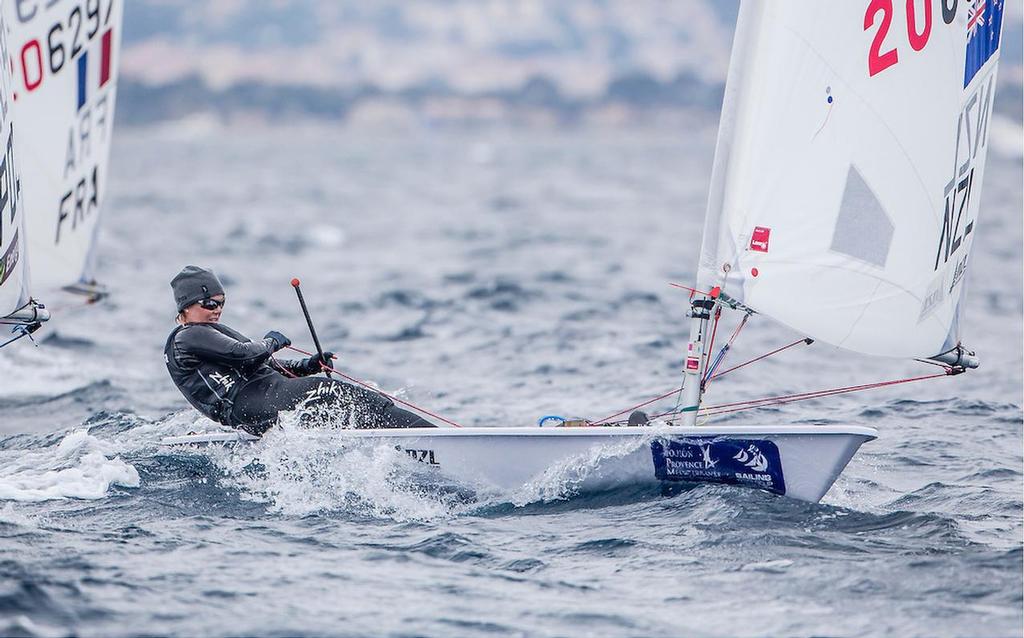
[(79, 466)]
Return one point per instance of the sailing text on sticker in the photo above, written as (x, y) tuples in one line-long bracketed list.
[(759, 239)]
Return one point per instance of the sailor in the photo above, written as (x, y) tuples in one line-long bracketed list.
[(238, 382)]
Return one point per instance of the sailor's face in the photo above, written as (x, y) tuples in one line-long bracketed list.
[(205, 311)]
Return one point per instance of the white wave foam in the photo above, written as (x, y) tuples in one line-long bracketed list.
[(12, 516), (299, 471), (565, 479), (78, 467), (22, 625), (26, 369)]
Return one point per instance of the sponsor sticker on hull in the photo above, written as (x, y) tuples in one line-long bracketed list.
[(748, 462)]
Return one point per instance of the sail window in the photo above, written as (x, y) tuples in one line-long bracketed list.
[(863, 229)]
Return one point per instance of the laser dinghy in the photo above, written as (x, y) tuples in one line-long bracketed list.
[(843, 204)]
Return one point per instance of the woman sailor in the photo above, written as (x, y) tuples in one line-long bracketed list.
[(238, 382)]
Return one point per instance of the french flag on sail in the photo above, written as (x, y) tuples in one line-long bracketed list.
[(984, 22), (83, 69)]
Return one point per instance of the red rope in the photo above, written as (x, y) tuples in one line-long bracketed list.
[(636, 407), (736, 332), (764, 356), (714, 410), (714, 332), (725, 350), (73, 307), (308, 354), (288, 373), (693, 291), (790, 398), (334, 370)]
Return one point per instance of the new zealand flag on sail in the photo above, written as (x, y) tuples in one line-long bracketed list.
[(984, 23)]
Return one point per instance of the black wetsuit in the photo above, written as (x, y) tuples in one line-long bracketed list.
[(235, 381)]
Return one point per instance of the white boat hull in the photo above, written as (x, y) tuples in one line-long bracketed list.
[(800, 462)]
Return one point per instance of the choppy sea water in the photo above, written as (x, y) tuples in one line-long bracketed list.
[(493, 277)]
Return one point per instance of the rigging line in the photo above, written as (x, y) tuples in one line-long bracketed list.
[(288, 373), (693, 291), (789, 398), (714, 333), (725, 349), (636, 407), (23, 333), (679, 398), (806, 340), (72, 307), (738, 406), (334, 370)]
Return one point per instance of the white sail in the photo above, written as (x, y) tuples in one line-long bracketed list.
[(13, 261), (848, 172), (65, 80)]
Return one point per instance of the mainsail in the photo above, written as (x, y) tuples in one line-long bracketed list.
[(848, 171), (65, 82), (15, 304)]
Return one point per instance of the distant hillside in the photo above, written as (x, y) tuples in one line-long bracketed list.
[(437, 61), (538, 99)]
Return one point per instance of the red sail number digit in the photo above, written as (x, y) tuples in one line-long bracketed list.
[(918, 40), (878, 62)]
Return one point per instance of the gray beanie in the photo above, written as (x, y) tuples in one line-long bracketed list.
[(194, 284)]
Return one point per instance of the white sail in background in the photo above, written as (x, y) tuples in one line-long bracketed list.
[(848, 172), (65, 81), (13, 260)]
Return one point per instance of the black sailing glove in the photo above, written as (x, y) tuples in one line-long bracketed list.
[(311, 365), (328, 360), (280, 341)]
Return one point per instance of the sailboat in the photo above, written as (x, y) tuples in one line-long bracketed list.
[(17, 308), (843, 204), (65, 57)]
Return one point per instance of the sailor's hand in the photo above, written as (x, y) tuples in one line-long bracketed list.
[(280, 341), (314, 364), (327, 361)]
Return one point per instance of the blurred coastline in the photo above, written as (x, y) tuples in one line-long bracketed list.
[(438, 63)]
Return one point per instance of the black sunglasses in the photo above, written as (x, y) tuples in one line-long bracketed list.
[(211, 304)]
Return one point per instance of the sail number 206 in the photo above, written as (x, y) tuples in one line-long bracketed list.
[(919, 28)]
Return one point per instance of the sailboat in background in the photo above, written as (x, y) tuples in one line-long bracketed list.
[(17, 308), (843, 203), (65, 60)]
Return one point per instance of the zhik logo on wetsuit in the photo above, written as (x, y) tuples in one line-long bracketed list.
[(226, 381)]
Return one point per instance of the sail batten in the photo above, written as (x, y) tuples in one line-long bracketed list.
[(847, 175)]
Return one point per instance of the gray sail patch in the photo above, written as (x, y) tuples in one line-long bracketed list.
[(863, 229)]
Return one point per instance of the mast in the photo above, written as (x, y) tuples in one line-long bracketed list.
[(696, 362)]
